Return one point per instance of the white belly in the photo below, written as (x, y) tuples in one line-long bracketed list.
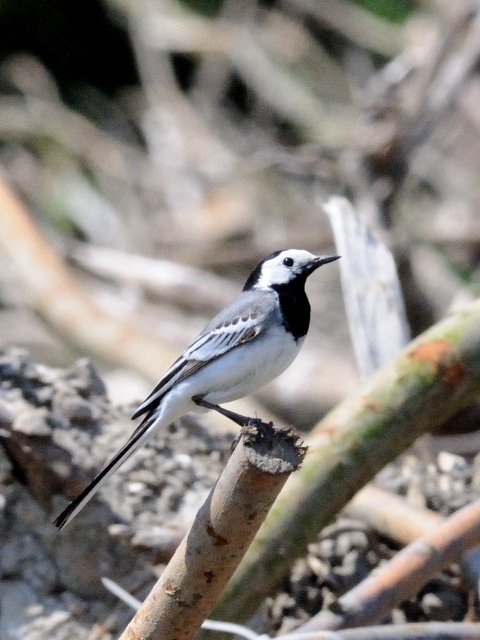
[(235, 375), (246, 369)]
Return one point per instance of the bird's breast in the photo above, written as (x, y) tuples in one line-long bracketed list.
[(244, 370)]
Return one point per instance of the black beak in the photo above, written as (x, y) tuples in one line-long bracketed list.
[(318, 262), (324, 259)]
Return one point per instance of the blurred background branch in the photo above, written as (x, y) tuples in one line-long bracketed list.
[(212, 132), (151, 151)]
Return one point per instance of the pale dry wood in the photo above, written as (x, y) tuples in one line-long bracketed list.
[(371, 288), (56, 295), (361, 26), (413, 631), (181, 284), (220, 535), (403, 576), (166, 30), (392, 515)]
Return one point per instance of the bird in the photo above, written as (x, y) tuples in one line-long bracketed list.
[(247, 344)]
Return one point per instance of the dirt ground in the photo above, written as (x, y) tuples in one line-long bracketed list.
[(57, 427)]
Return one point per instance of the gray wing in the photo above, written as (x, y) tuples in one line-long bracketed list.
[(239, 322)]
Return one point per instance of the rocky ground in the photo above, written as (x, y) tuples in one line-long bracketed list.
[(348, 550), (57, 427)]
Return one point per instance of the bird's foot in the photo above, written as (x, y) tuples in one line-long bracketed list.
[(262, 428), (242, 421)]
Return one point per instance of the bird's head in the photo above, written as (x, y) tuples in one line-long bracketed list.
[(285, 267)]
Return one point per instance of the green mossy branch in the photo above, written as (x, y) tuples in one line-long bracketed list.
[(436, 376)]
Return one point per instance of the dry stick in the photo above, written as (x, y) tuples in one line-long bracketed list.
[(402, 577), (221, 533), (413, 631), (104, 154), (56, 295), (407, 631), (181, 284), (361, 26), (371, 288), (436, 376), (255, 64), (394, 517)]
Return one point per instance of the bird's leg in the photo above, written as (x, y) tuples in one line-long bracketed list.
[(243, 421)]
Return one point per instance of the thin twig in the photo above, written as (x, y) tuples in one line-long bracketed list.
[(56, 295), (416, 631), (413, 631), (189, 287), (402, 577), (393, 516), (361, 26)]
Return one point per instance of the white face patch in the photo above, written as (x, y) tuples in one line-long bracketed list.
[(274, 271)]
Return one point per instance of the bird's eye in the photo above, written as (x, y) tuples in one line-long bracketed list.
[(288, 262)]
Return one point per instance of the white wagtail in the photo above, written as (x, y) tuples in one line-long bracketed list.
[(250, 342)]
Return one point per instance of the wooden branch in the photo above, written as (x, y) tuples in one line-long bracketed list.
[(359, 25), (103, 153), (181, 284), (371, 289), (219, 536), (57, 296), (245, 50), (403, 576), (413, 631), (437, 375), (391, 515)]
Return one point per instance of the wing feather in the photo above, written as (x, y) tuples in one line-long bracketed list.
[(224, 333)]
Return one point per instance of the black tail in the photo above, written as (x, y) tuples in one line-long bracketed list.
[(137, 439)]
